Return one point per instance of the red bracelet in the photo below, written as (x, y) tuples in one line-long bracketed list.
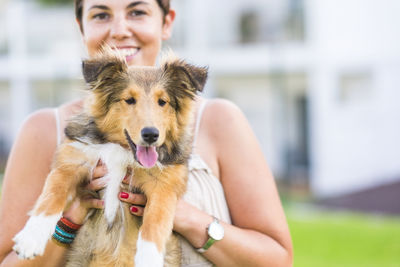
[(70, 224)]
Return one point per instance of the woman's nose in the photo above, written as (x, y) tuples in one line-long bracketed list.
[(120, 29)]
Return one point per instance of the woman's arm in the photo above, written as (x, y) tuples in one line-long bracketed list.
[(27, 168), (259, 234)]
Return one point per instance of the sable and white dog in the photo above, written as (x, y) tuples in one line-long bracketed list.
[(138, 119)]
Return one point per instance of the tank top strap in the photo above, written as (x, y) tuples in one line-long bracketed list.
[(203, 104), (58, 125)]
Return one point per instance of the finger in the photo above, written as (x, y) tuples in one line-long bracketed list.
[(97, 184), (137, 210), (135, 199), (93, 203), (127, 178), (99, 171)]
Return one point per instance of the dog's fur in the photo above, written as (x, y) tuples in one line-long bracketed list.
[(122, 102)]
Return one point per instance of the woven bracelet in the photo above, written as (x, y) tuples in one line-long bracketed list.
[(65, 232), (62, 239), (61, 244), (70, 224)]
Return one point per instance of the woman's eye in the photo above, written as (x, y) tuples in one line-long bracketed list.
[(130, 101), (101, 16), (137, 13), (161, 102)]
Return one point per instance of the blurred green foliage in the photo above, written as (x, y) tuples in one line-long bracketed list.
[(333, 239), (1, 182)]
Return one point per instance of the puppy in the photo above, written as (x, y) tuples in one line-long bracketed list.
[(137, 120)]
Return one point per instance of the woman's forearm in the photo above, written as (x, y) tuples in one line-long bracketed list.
[(53, 256), (239, 247)]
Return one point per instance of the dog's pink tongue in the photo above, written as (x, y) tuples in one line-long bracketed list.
[(147, 156)]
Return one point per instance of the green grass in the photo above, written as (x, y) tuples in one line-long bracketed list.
[(322, 238)]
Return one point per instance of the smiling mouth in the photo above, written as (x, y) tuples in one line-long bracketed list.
[(128, 53)]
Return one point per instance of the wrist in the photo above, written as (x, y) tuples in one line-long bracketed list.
[(76, 213), (192, 223), (215, 232)]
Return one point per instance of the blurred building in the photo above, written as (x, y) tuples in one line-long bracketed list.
[(317, 79)]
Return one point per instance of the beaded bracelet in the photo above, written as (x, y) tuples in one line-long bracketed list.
[(65, 232)]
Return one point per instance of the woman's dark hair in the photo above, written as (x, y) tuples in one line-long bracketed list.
[(164, 5)]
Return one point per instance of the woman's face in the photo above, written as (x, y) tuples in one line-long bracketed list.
[(134, 27)]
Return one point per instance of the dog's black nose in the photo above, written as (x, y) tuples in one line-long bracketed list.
[(149, 134)]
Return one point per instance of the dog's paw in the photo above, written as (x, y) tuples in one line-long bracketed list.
[(147, 254), (26, 246), (32, 239), (112, 203)]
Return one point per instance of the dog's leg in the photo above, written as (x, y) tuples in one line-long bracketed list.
[(156, 228), (71, 166), (162, 196), (117, 159)]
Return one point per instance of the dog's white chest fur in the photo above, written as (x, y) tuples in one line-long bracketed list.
[(117, 159)]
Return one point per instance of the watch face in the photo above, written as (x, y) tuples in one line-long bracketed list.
[(216, 231)]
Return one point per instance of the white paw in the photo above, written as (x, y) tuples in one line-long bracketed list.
[(32, 239), (147, 254)]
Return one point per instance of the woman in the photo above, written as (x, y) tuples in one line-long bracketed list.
[(227, 160)]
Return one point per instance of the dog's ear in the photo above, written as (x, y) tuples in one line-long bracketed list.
[(102, 67), (198, 75), (179, 71)]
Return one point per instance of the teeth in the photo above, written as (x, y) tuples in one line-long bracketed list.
[(127, 51)]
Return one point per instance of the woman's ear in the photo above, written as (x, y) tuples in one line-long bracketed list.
[(168, 24)]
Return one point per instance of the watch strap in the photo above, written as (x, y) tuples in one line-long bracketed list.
[(207, 245)]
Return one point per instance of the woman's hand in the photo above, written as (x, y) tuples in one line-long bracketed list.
[(137, 200), (80, 207)]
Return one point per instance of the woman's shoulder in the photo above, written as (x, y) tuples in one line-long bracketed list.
[(223, 114), (38, 128), (39, 121), (227, 127), (221, 104), (41, 125), (34, 145)]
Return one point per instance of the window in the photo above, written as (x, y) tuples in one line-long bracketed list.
[(47, 93), (249, 27), (355, 87), (272, 22), (295, 24), (3, 34)]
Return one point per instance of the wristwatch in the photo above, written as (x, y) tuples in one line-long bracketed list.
[(215, 233)]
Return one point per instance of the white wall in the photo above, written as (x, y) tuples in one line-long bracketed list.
[(355, 143), (354, 140)]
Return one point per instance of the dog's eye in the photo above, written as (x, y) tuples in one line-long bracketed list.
[(161, 102), (130, 101)]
